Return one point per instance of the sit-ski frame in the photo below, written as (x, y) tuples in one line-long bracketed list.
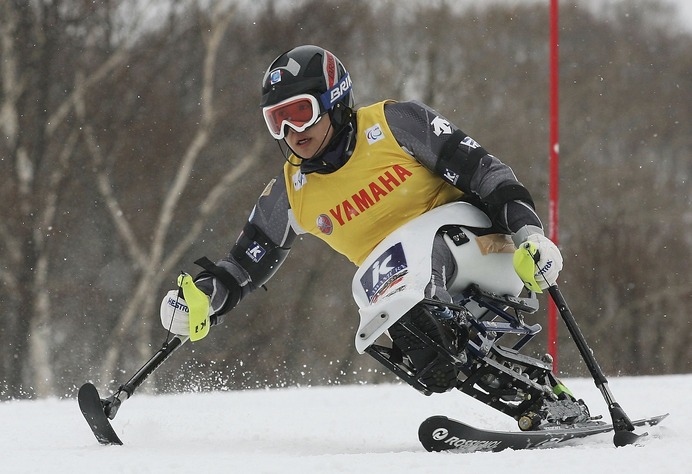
[(498, 376)]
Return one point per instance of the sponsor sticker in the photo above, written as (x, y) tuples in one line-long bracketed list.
[(255, 252), (299, 180), (176, 304), (470, 142), (374, 134), (385, 273), (441, 126), (275, 76), (325, 224), (470, 445), (450, 176), (336, 92)]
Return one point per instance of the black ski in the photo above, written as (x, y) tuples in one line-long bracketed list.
[(439, 433), (92, 409)]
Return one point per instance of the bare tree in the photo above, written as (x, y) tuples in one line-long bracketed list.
[(149, 261), (38, 163), (40, 180)]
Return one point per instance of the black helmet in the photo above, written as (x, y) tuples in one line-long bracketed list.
[(313, 71)]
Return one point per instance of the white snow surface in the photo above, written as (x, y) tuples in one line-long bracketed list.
[(353, 429)]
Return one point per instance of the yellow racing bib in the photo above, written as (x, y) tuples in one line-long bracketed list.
[(380, 188)]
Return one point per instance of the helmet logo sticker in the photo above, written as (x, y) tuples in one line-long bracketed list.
[(275, 77)]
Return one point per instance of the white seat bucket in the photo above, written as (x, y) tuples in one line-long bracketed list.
[(393, 278)]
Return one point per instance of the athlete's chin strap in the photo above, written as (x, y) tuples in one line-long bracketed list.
[(336, 153), (302, 158)]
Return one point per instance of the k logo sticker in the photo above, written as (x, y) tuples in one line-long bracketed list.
[(255, 252)]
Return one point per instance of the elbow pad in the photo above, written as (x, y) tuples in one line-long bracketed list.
[(457, 164), (496, 200), (259, 256)]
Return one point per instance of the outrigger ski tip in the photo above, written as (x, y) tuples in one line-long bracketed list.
[(98, 412), (92, 408)]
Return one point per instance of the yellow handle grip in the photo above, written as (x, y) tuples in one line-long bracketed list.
[(525, 265), (198, 302)]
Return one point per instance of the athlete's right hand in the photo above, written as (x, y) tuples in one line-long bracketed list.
[(187, 312), (175, 314)]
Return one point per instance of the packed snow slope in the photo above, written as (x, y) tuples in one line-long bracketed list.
[(330, 430)]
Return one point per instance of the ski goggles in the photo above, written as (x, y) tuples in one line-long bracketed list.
[(298, 112)]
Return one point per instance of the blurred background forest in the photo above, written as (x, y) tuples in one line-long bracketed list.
[(132, 143)]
